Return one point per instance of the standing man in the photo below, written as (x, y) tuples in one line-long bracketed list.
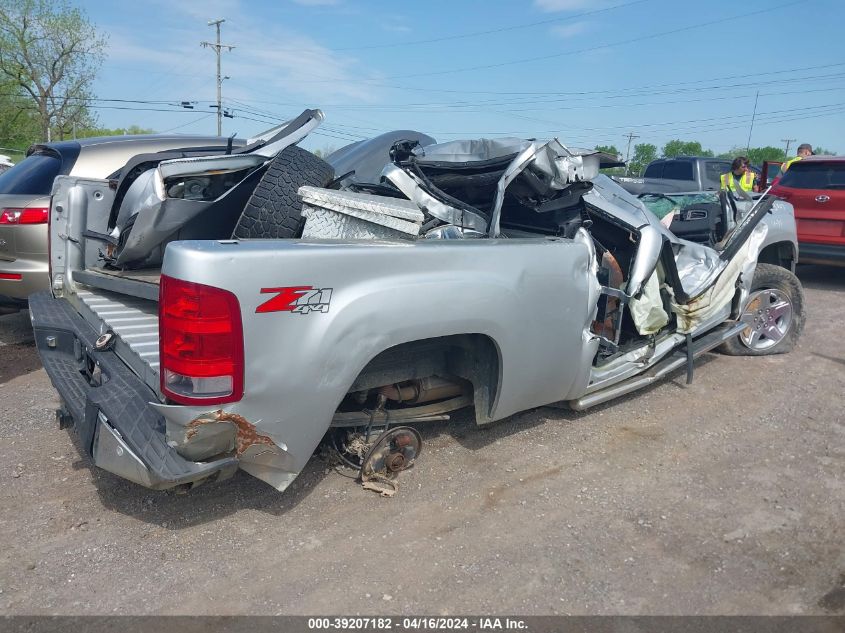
[(739, 177), (804, 150)]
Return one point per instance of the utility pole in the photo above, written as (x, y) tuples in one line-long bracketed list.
[(631, 137), (217, 49), (751, 129), (788, 142)]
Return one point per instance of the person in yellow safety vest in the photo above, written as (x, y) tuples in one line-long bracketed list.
[(804, 150), (739, 177)]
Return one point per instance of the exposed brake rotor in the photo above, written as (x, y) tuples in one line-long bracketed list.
[(394, 451)]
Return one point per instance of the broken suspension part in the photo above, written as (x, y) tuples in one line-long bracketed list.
[(395, 450)]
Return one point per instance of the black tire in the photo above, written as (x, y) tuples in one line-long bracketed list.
[(274, 210), (781, 281)]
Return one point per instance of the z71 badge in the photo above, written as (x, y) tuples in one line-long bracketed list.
[(299, 299)]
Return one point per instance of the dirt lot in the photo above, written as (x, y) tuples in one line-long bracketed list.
[(724, 497)]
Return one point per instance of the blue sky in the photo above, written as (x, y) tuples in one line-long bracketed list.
[(586, 71)]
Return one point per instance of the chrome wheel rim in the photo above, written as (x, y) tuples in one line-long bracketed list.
[(768, 315)]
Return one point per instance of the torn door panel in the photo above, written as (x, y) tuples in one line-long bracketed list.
[(720, 293)]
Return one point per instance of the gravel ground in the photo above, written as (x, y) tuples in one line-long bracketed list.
[(723, 497)]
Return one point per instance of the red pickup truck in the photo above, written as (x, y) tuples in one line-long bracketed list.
[(815, 187)]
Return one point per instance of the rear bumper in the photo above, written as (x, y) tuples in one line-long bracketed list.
[(34, 275), (107, 404), (821, 253)]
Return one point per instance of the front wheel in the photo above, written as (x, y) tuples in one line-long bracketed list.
[(774, 314)]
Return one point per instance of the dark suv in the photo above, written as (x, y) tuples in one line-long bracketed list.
[(684, 173)]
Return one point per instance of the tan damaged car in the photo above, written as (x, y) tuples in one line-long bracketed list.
[(25, 197)]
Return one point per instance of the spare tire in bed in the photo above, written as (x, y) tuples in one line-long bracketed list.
[(274, 210)]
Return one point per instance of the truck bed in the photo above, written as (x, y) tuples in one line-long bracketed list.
[(135, 322)]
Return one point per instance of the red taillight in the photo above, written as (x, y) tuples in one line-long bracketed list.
[(36, 215), (200, 343), (11, 276)]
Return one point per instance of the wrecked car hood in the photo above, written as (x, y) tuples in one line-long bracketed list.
[(162, 199)]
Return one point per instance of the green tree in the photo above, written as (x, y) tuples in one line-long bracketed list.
[(18, 123), (684, 148), (756, 154), (613, 151), (51, 52), (608, 149), (104, 131), (822, 151), (644, 153)]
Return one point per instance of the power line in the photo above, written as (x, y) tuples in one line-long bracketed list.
[(632, 40), (590, 106), (106, 107), (735, 125), (710, 124), (271, 118), (179, 127), (463, 105), (572, 96), (753, 116), (598, 92), (92, 100)]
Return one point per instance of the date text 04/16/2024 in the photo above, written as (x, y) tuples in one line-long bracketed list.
[(416, 623)]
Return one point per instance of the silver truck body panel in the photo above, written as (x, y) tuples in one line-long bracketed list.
[(502, 289), (363, 161)]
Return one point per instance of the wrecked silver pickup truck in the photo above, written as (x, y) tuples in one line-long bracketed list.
[(497, 274)]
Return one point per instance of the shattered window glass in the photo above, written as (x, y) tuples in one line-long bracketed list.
[(663, 204)]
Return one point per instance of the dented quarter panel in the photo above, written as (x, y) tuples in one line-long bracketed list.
[(200, 434), (533, 298)]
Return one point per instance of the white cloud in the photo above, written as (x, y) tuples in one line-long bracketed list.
[(550, 6), (394, 27), (569, 30), (269, 63)]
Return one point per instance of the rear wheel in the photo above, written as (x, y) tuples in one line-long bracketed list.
[(774, 314), (275, 210)]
